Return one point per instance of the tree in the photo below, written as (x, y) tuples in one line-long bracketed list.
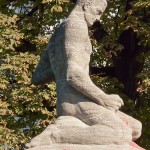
[(119, 64), (126, 29)]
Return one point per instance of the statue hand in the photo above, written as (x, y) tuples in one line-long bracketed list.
[(113, 102)]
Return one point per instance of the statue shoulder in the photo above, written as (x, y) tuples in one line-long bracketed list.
[(74, 24), (71, 30), (75, 30)]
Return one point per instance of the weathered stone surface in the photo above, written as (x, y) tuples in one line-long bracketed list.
[(84, 147), (88, 118), (75, 133), (71, 130)]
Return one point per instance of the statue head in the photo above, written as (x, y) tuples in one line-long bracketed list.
[(93, 9)]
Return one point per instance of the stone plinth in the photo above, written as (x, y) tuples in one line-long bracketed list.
[(83, 147), (54, 137)]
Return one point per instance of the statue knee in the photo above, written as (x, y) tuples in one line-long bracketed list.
[(123, 133), (136, 129)]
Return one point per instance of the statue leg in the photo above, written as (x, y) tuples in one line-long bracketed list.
[(134, 124), (104, 124), (96, 126), (92, 124)]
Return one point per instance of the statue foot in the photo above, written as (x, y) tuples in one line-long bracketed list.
[(51, 134), (47, 137)]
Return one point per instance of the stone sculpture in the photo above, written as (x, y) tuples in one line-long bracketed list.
[(88, 118)]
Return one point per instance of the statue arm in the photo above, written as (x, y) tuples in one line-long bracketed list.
[(81, 81), (43, 72), (78, 77)]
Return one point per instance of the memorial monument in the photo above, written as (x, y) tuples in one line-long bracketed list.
[(88, 118)]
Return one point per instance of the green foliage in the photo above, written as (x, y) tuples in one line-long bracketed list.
[(27, 109), (10, 35), (24, 107), (141, 112), (115, 20)]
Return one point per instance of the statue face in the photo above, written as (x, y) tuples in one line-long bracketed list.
[(94, 10)]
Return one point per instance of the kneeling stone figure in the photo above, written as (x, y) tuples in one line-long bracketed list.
[(88, 118)]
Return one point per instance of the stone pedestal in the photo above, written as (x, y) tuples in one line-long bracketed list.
[(83, 147), (55, 136)]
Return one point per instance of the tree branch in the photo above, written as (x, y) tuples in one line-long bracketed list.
[(29, 13), (103, 72), (116, 22), (12, 1), (4, 6), (32, 11), (98, 31)]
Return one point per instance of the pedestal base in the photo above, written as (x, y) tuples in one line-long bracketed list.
[(69, 129), (83, 147)]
